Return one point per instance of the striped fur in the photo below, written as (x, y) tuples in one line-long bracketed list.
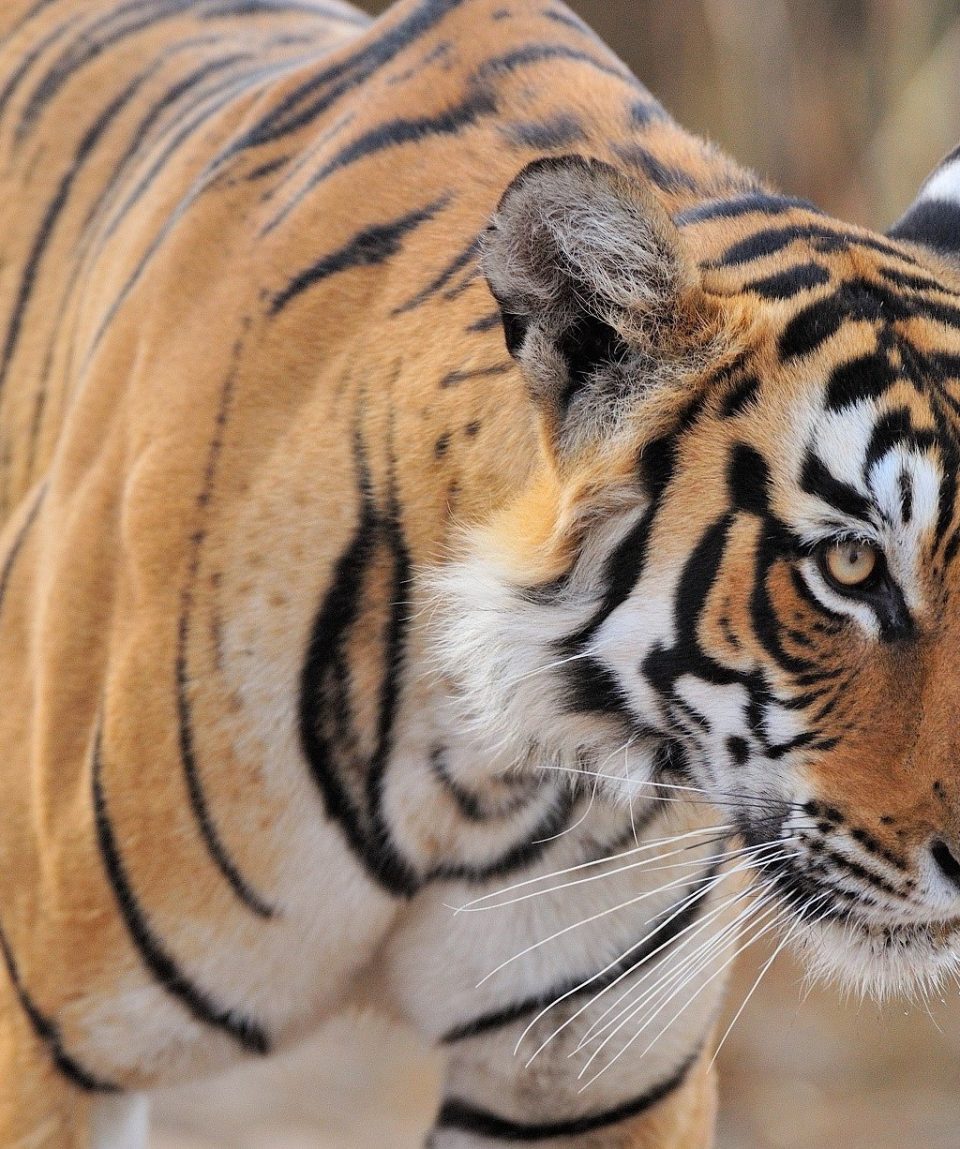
[(322, 611)]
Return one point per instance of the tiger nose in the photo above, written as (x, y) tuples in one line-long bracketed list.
[(946, 858)]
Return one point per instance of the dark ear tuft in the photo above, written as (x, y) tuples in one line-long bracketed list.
[(599, 300)]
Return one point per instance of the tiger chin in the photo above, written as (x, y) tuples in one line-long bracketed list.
[(432, 478)]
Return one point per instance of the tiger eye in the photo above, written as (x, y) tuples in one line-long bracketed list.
[(849, 563)]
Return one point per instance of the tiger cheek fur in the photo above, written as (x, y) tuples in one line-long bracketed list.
[(431, 477)]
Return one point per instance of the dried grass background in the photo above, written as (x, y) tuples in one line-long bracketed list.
[(848, 102)]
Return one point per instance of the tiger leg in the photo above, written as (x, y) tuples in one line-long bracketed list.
[(523, 1065), (493, 1103), (46, 1102), (40, 1108)]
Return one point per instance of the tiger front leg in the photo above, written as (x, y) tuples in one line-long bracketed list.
[(560, 1034), (40, 1108), (46, 1099), (680, 1114)]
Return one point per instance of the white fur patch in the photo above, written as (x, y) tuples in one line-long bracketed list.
[(120, 1122)]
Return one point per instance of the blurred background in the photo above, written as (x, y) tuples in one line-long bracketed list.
[(849, 103)]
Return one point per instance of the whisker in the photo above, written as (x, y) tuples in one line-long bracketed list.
[(785, 911), (736, 800), (586, 921), (760, 976), (679, 973), (569, 829), (644, 863), (776, 910), (654, 844), (679, 909)]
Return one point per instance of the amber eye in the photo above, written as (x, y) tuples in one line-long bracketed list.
[(848, 564)]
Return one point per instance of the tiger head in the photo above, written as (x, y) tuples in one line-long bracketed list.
[(732, 570)]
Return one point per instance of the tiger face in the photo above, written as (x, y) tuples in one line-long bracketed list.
[(731, 575)]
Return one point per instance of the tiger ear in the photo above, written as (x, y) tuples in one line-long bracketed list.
[(600, 303), (933, 219)]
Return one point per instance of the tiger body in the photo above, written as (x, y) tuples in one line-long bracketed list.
[(261, 440)]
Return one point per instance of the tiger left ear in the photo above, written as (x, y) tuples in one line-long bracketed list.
[(600, 302), (933, 219)]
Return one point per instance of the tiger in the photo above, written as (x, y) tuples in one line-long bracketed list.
[(469, 549)]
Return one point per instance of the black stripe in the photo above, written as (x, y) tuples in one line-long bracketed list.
[(457, 263), (139, 134), (233, 87), (823, 238), (394, 658), (811, 328), (762, 203), (950, 550), (866, 377), (325, 713), (31, 57), (485, 322), (656, 940), (48, 1031), (816, 479), (790, 282), (18, 541), (242, 1029), (196, 115), (90, 140), (182, 87), (367, 248), (25, 19), (92, 42), (468, 1118), (393, 134), (229, 8), (646, 111), (469, 805), (894, 429), (740, 396), (748, 480), (218, 852), (452, 378), (298, 110), (188, 756), (665, 176), (557, 131), (515, 857), (537, 53), (913, 281)]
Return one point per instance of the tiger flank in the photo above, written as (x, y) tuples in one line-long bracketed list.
[(431, 478)]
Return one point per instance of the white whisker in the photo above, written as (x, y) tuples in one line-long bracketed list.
[(777, 910), (679, 909), (586, 921), (763, 969), (688, 964), (653, 844)]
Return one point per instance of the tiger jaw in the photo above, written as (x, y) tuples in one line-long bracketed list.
[(881, 942), (880, 959)]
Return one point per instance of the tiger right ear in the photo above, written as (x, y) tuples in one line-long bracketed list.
[(600, 302)]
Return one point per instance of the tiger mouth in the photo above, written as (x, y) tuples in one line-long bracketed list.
[(820, 906)]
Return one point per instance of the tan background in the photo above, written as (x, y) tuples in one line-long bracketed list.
[(848, 102)]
